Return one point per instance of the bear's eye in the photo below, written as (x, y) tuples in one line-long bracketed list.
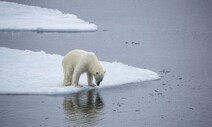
[(97, 73)]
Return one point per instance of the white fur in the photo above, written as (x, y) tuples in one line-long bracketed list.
[(79, 61)]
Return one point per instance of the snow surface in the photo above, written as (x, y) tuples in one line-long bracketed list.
[(27, 72), (18, 17)]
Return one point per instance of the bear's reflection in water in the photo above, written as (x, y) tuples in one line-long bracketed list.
[(83, 109)]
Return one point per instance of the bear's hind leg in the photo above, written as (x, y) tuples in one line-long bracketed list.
[(67, 78), (75, 78)]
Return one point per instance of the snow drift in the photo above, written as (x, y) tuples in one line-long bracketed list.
[(27, 72)]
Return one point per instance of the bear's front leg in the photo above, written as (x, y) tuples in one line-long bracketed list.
[(90, 79)]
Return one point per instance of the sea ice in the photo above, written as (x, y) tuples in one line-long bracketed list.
[(28, 72), (19, 17)]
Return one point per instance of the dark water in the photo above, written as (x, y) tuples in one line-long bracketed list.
[(83, 108), (172, 38)]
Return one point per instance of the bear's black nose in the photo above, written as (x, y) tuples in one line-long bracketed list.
[(97, 83)]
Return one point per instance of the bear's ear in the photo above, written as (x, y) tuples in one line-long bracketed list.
[(97, 73)]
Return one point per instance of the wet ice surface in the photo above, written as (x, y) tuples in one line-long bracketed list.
[(172, 38)]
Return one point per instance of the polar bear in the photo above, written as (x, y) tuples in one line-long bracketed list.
[(79, 61)]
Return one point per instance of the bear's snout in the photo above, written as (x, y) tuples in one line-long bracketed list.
[(97, 83)]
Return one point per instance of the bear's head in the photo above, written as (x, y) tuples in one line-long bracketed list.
[(99, 77)]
